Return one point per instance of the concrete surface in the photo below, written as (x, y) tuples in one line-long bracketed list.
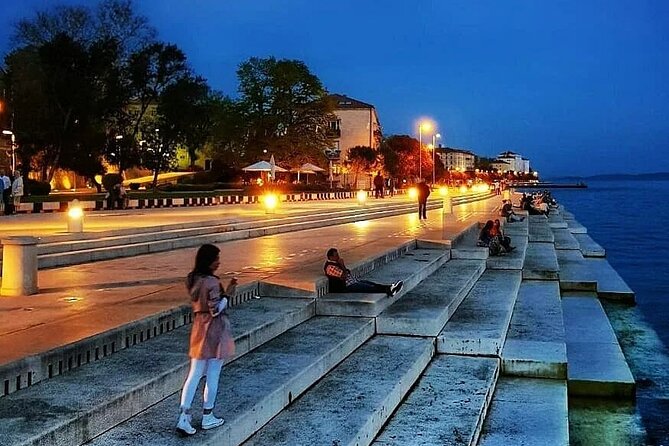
[(480, 323), (447, 406), (541, 262), (539, 229), (535, 344), (578, 273), (588, 247), (564, 239)]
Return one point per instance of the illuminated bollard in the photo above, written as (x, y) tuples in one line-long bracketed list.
[(75, 217), (362, 197), (446, 215), (19, 266), (270, 201)]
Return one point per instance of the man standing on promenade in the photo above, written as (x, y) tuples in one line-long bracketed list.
[(378, 185), (6, 192), (423, 193), (340, 279)]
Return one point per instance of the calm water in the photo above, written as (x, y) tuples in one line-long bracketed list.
[(628, 219)]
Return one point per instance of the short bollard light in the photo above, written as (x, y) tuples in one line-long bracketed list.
[(413, 193), (443, 191), (362, 197), (75, 217), (271, 201), (463, 189)]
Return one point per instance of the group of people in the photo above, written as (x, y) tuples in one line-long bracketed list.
[(492, 237), (381, 183), (12, 191), (538, 203), (117, 197), (211, 340)]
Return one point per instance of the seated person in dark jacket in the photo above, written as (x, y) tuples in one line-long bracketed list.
[(507, 212), (341, 280)]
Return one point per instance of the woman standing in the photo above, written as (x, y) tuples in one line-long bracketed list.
[(211, 340), (17, 190)]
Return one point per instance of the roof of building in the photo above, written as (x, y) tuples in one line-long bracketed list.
[(344, 102), (499, 162), (454, 150), (507, 154)]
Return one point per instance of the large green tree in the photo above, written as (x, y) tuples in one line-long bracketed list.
[(362, 159), (286, 110)]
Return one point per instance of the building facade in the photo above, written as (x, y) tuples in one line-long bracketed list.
[(456, 159), (515, 161)]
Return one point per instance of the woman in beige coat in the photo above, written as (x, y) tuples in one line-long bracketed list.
[(211, 341)]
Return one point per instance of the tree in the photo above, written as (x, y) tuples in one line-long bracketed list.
[(286, 109), (406, 151), (362, 159), (228, 133)]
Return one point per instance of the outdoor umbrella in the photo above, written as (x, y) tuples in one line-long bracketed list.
[(264, 166), (307, 168)]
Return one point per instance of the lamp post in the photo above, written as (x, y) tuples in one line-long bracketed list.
[(434, 152), (13, 147), (427, 126)]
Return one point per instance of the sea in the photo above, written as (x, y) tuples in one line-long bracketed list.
[(630, 219)]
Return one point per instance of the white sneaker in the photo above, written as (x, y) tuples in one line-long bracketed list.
[(184, 427), (396, 287), (209, 421)]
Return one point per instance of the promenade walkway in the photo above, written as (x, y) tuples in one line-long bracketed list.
[(79, 301)]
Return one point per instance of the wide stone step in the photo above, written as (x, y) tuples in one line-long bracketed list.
[(352, 402), (425, 310), (512, 260), (535, 344), (411, 267), (447, 406), (564, 239), (588, 247), (527, 411), (479, 325), (254, 388), (578, 273), (597, 365), (62, 411), (575, 227), (539, 230), (541, 262)]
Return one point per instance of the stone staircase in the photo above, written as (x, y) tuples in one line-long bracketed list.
[(475, 350)]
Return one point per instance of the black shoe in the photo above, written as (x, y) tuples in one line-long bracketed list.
[(396, 287)]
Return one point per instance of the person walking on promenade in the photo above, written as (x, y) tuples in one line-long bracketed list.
[(378, 185), (211, 341), (390, 185), (340, 279), (423, 193), (17, 190), (6, 192)]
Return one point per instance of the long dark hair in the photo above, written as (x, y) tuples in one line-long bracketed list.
[(205, 256)]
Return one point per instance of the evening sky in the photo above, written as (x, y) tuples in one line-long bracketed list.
[(579, 87)]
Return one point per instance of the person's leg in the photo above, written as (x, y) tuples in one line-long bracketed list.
[(425, 209), (365, 286), (196, 372), (213, 372)]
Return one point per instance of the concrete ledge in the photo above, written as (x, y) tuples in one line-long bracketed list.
[(447, 405), (370, 384), (535, 345), (513, 260), (541, 262), (588, 247), (578, 273), (527, 411), (479, 325), (597, 366), (564, 239), (576, 228), (255, 388), (425, 310), (79, 413), (539, 230)]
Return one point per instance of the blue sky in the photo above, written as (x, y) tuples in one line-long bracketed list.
[(578, 87)]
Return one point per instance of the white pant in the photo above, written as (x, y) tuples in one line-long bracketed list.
[(199, 368)]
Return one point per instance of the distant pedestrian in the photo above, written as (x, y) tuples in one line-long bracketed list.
[(6, 192), (211, 341), (390, 185), (17, 190), (423, 193), (378, 185)]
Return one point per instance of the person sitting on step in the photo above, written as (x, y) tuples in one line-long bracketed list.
[(341, 280), (508, 213), (496, 231), (487, 240)]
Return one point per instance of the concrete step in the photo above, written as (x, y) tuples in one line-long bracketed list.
[(597, 366), (425, 310), (512, 260), (575, 227), (447, 406), (479, 325), (61, 411), (540, 262), (412, 267), (539, 229), (588, 247), (535, 344), (526, 411), (564, 239), (352, 402), (578, 273), (256, 387), (555, 220)]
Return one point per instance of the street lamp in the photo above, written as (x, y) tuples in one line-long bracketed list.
[(427, 126), (13, 149), (434, 151)]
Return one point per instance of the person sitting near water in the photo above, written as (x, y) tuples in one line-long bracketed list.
[(507, 212), (487, 240), (526, 204), (505, 241), (341, 280)]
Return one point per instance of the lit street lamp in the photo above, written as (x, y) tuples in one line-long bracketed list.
[(427, 126), (13, 148), (434, 151)]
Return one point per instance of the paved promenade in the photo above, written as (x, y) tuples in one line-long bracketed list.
[(79, 301)]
